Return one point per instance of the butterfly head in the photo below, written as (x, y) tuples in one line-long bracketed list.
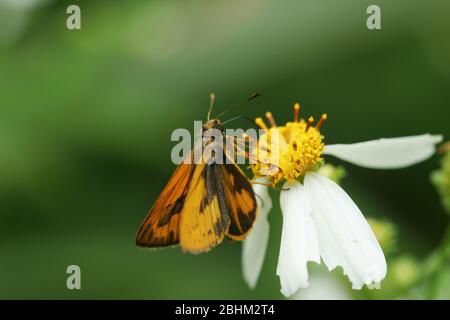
[(213, 124)]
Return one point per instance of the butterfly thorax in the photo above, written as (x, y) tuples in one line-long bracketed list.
[(213, 124)]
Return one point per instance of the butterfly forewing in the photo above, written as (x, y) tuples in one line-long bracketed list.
[(160, 227), (205, 216)]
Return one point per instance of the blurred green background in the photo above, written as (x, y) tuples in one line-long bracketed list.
[(86, 118)]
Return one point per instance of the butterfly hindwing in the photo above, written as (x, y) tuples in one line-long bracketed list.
[(241, 201)]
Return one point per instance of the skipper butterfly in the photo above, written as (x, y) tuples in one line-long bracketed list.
[(202, 203)]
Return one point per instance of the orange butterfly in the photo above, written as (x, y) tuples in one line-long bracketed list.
[(201, 204)]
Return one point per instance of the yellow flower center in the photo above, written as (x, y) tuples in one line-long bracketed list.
[(288, 152)]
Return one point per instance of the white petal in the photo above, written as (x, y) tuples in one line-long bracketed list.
[(255, 245), (345, 237), (392, 153), (324, 286), (299, 242)]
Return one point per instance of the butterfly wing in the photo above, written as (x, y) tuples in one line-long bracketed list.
[(161, 226), (205, 218), (199, 206), (220, 202), (241, 201)]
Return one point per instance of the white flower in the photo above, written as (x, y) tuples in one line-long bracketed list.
[(320, 221), (254, 247)]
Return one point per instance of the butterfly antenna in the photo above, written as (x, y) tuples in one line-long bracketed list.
[(237, 118), (253, 96), (212, 100)]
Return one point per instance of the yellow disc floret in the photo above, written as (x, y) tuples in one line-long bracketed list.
[(288, 152)]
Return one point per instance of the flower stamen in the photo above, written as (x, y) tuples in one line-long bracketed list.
[(296, 111), (260, 123), (271, 119), (289, 151), (309, 124), (321, 121)]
